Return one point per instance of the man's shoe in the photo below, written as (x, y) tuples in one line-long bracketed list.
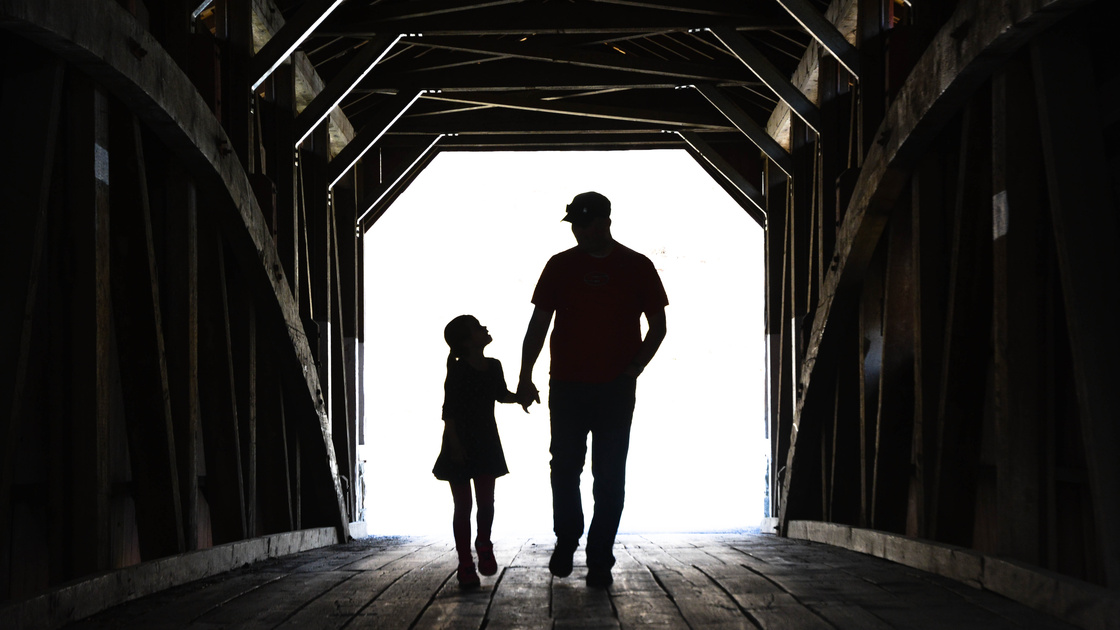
[(487, 563), (561, 562), (599, 577)]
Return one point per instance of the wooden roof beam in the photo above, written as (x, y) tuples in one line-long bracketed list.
[(702, 150), (419, 10), (285, 42), (744, 123), (521, 74), (662, 118), (681, 70), (827, 35), (369, 135), (538, 141), (695, 7), (770, 75), (556, 18), (346, 80)]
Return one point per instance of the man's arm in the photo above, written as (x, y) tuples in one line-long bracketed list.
[(535, 336), (654, 336)]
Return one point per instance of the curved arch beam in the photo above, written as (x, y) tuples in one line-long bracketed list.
[(972, 44), (109, 45)]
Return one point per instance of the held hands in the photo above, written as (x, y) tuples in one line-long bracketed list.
[(527, 394)]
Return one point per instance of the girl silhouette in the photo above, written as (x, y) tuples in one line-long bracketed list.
[(471, 446)]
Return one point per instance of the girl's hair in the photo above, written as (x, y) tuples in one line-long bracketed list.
[(456, 333)]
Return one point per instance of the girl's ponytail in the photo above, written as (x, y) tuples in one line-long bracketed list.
[(456, 333)]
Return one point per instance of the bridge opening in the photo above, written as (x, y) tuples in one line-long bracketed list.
[(471, 235)]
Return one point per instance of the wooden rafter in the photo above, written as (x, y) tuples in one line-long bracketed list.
[(748, 126), (284, 43), (770, 75), (369, 135), (824, 32), (342, 84)]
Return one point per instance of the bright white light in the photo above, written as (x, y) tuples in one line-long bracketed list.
[(471, 235)]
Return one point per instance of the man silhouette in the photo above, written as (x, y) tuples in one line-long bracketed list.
[(598, 291)]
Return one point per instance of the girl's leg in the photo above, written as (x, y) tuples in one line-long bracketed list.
[(484, 494), (461, 521)]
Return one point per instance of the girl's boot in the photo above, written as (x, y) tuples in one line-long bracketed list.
[(467, 577), (487, 564)]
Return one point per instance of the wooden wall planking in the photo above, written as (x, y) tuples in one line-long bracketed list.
[(141, 344), (1083, 212), (1018, 199)]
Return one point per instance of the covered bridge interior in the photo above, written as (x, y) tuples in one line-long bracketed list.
[(186, 184)]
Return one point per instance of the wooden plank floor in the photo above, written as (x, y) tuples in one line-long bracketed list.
[(661, 581)]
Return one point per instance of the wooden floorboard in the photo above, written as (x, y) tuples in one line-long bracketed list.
[(709, 582)]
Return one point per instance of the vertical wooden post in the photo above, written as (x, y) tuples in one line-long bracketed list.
[(359, 345), (872, 80), (870, 368), (319, 264), (287, 459), (1017, 177), (345, 245), (176, 205), (90, 322), (228, 408), (777, 291), (801, 213), (282, 168), (299, 482), (896, 388), (251, 416), (772, 263), (27, 157), (193, 412), (235, 29), (928, 206), (963, 371), (845, 495), (170, 23)]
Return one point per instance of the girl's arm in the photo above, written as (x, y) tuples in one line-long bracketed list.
[(504, 395)]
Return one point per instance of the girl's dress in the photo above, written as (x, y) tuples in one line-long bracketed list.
[(468, 402)]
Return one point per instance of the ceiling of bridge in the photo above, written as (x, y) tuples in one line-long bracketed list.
[(507, 74)]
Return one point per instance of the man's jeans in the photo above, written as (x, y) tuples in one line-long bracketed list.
[(604, 410)]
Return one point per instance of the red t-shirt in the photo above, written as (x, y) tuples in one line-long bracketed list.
[(598, 304)]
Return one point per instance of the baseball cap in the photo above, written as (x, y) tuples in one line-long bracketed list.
[(586, 207)]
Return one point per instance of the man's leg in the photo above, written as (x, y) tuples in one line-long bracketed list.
[(569, 450), (610, 444)]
